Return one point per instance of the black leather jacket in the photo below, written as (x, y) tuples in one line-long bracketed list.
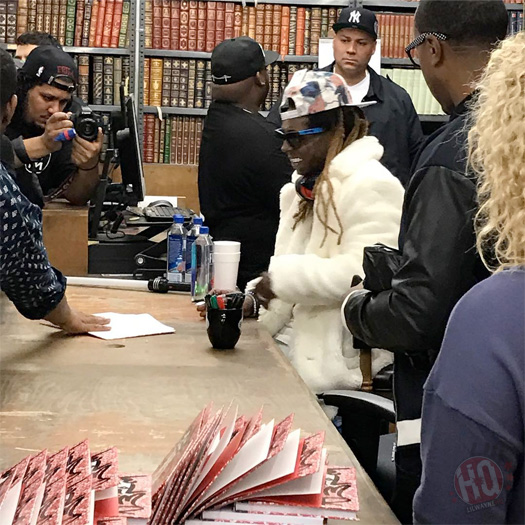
[(439, 262)]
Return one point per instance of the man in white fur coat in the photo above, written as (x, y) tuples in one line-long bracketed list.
[(341, 199)]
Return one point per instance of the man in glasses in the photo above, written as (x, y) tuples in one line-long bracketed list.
[(49, 164), (438, 262), (241, 165)]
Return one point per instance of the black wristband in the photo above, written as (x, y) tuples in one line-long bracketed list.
[(89, 169), (20, 150)]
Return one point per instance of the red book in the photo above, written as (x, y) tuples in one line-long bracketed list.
[(211, 20), (157, 24), (229, 18), (79, 23), (219, 24), (94, 22), (237, 21), (149, 136), (100, 22), (285, 30), (201, 27), (299, 39), (184, 25), (166, 24), (117, 20), (192, 26), (108, 23), (175, 24)]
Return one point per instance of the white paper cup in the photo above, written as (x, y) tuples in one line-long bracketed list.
[(226, 247), (225, 269)]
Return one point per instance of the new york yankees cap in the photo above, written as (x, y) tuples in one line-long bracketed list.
[(239, 58), (357, 18), (52, 66)]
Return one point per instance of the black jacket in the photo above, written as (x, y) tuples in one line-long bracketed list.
[(393, 120), (241, 172)]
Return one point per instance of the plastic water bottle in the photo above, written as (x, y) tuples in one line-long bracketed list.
[(176, 247), (201, 265), (193, 233)]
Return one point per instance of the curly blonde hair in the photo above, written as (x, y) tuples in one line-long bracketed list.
[(497, 154)]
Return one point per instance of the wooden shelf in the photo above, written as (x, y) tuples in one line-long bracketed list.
[(194, 112), (104, 107), (175, 53)]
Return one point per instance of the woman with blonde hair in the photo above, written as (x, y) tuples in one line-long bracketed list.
[(473, 429)]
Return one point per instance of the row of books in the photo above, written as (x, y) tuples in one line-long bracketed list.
[(515, 22), (396, 32), (200, 25), (173, 140), (413, 82), (99, 78), (187, 83), (93, 23)]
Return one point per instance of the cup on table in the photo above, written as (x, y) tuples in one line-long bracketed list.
[(226, 257), (223, 327)]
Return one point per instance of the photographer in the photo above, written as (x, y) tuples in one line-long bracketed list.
[(48, 166)]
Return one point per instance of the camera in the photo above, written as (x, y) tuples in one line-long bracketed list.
[(86, 123)]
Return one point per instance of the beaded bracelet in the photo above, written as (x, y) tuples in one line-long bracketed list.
[(255, 312)]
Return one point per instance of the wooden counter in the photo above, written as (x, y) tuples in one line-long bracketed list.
[(141, 394)]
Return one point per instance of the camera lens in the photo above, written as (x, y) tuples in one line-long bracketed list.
[(87, 129)]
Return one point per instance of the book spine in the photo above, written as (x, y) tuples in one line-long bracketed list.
[(55, 17), (201, 27), (108, 23), (184, 26), (146, 85), (183, 83), (100, 22), (207, 85), (148, 24), (237, 21), (245, 19), (259, 23), (160, 141), (31, 15), (332, 18), (191, 142), (94, 22), (157, 24), (198, 138), (155, 90), (108, 81), (229, 20), (87, 22), (325, 22), (192, 74), (126, 6), (117, 79), (166, 24), (149, 137), (299, 40), (62, 22), (21, 22), (285, 30), (175, 25), (200, 83), (252, 18), (315, 32), (268, 29), (98, 79), (173, 145), (192, 26), (83, 77), (211, 21), (126, 68), (48, 8), (219, 23), (167, 141), (293, 30), (175, 82), (276, 28), (10, 23), (307, 30), (79, 22), (156, 133), (180, 125), (117, 22), (185, 140), (166, 82)]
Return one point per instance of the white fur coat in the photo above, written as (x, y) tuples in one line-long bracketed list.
[(311, 281)]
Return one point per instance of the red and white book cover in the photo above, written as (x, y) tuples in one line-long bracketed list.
[(78, 463), (10, 488), (52, 508), (134, 497), (104, 470), (78, 505)]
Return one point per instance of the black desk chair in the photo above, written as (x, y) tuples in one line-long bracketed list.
[(366, 418)]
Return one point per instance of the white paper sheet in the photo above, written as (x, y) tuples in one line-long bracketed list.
[(131, 325)]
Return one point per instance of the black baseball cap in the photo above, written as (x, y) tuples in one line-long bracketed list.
[(357, 18), (52, 66), (239, 58)]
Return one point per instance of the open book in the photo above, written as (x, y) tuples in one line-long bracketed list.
[(227, 468)]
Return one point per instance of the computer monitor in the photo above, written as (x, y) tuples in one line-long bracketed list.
[(130, 156)]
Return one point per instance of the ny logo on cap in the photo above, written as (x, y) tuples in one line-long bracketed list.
[(354, 17)]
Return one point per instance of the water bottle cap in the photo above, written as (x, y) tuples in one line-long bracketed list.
[(178, 219), (205, 229), (197, 220)]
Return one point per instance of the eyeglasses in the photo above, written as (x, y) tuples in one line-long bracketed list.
[(418, 41), (295, 138)]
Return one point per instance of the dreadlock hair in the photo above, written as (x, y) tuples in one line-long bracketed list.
[(350, 125)]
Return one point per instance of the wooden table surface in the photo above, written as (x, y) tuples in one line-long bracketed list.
[(141, 394)]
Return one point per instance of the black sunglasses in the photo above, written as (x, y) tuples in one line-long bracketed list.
[(418, 41), (296, 138)]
